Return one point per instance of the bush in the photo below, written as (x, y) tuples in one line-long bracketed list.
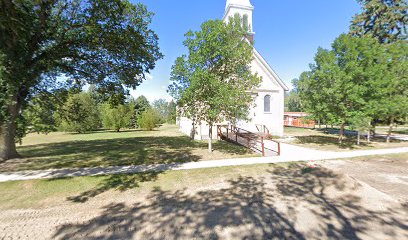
[(149, 120)]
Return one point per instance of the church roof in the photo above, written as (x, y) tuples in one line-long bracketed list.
[(242, 3)]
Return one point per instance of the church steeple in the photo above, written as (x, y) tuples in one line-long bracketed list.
[(244, 9)]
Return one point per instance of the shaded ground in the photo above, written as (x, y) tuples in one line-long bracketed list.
[(387, 173), (327, 139), (252, 202), (167, 145)]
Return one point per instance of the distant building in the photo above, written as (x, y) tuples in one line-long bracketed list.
[(269, 97), (298, 119)]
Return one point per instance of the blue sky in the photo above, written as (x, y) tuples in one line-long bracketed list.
[(288, 33)]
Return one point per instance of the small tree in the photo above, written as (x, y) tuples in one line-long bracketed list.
[(116, 117), (79, 114), (213, 83), (149, 120)]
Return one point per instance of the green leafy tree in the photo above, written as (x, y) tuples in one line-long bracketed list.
[(213, 83), (60, 43), (79, 114), (385, 20), (161, 107), (338, 87), (389, 101), (172, 112), (149, 119), (40, 114), (141, 105), (292, 99), (116, 117)]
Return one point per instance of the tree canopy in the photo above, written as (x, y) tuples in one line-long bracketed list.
[(385, 20), (55, 44), (213, 82), (356, 81)]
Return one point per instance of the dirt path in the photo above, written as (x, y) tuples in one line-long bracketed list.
[(278, 203), (386, 174)]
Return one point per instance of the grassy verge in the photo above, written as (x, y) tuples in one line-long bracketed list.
[(327, 139), (107, 148), (51, 192)]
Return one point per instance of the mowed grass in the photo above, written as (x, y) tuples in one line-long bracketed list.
[(46, 193), (108, 148), (328, 139)]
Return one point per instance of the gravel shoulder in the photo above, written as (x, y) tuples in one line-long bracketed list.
[(251, 202)]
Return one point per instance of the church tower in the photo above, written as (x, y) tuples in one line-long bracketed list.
[(244, 9)]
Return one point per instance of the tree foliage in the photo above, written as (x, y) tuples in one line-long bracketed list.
[(357, 81), (79, 114), (337, 88), (166, 110), (213, 83), (116, 117), (293, 102), (149, 119), (385, 20), (60, 43), (141, 104)]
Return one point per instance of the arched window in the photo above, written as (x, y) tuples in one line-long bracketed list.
[(267, 103), (245, 22)]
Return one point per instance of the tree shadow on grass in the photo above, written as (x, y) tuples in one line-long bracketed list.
[(348, 143), (116, 152), (119, 182), (249, 208)]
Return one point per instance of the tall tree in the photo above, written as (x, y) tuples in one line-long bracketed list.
[(385, 20), (338, 87), (389, 81), (213, 83), (62, 42)]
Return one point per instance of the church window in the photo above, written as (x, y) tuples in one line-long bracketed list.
[(267, 103)]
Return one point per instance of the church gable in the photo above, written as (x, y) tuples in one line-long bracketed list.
[(270, 80)]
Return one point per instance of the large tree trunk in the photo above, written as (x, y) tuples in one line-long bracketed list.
[(7, 135), (390, 129), (210, 139)]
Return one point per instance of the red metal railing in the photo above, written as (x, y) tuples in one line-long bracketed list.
[(239, 132)]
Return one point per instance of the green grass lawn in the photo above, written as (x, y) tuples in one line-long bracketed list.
[(327, 139), (107, 148), (46, 193), (52, 192), (400, 129)]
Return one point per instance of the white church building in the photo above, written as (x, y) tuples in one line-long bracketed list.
[(269, 97)]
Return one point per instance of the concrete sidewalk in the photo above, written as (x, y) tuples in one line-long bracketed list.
[(290, 153)]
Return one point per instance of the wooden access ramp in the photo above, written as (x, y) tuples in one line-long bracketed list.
[(256, 141)]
